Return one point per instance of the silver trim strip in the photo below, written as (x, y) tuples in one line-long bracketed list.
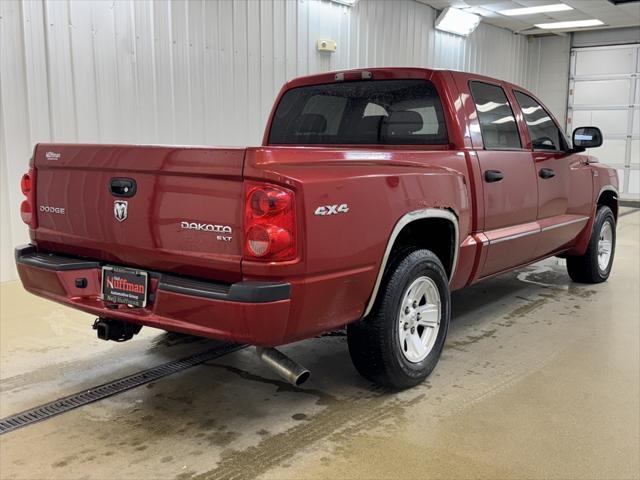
[(403, 222), (564, 224), (537, 230), (514, 236)]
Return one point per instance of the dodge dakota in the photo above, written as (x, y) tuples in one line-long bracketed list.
[(373, 195)]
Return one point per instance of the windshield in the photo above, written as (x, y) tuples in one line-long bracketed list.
[(385, 112)]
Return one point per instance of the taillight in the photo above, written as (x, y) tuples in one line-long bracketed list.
[(269, 222), (27, 184), (269, 200), (26, 212)]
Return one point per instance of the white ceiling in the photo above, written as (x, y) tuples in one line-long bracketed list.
[(613, 16)]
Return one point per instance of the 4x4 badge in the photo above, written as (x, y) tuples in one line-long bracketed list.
[(120, 210)]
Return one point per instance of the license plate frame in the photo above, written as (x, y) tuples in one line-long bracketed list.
[(131, 286)]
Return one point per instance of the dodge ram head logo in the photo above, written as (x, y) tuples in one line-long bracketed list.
[(120, 210)]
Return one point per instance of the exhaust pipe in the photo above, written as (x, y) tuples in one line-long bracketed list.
[(290, 370)]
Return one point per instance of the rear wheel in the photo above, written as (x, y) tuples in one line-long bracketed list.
[(595, 265), (399, 343)]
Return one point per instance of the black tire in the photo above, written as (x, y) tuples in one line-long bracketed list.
[(585, 268), (374, 343)]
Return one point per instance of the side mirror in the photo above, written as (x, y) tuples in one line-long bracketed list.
[(586, 137)]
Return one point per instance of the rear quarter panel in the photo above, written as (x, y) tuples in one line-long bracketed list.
[(340, 255)]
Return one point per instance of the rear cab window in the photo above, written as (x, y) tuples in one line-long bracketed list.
[(370, 112), (497, 122)]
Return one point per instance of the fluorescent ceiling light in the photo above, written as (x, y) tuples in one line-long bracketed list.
[(556, 7), (530, 110), (487, 107), (457, 21), (573, 24), (349, 3), (539, 121), (504, 120)]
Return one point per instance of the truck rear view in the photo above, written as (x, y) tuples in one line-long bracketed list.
[(365, 206), (152, 235), (261, 245)]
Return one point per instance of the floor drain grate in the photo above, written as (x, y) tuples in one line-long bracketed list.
[(123, 384)]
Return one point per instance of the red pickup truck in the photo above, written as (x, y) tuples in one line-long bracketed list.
[(374, 194)]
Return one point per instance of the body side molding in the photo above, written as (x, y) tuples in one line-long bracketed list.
[(403, 222)]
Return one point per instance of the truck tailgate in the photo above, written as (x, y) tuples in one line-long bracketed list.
[(185, 215)]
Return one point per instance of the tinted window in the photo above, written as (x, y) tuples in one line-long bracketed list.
[(392, 112), (497, 123), (542, 130)]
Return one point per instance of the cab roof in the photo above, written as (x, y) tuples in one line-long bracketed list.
[(386, 73)]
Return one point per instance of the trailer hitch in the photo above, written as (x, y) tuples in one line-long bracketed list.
[(117, 330)]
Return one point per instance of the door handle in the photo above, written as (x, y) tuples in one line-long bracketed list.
[(546, 173), (491, 176), (122, 187)]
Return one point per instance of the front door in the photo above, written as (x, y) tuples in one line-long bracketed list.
[(564, 181)]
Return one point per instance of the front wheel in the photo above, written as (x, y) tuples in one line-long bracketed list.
[(399, 343), (595, 265)]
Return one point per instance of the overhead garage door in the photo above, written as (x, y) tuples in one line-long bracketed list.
[(604, 90)]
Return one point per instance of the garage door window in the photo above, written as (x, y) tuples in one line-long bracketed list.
[(542, 129), (497, 123)]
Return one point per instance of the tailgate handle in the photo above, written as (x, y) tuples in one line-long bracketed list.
[(122, 187)]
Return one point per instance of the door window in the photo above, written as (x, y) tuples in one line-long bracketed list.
[(543, 131), (497, 123)]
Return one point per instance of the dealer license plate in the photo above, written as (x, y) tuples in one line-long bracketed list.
[(124, 285)]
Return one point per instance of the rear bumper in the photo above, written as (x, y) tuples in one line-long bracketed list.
[(246, 312)]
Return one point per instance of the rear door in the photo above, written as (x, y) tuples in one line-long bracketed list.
[(564, 181), (509, 188), (168, 209)]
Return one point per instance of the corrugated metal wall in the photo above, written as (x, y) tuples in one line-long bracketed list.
[(198, 72)]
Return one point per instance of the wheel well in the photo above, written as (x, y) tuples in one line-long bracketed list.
[(435, 234), (610, 199)]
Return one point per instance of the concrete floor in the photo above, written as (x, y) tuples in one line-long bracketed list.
[(540, 378)]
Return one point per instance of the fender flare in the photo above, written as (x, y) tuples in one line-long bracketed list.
[(582, 240), (607, 188), (400, 224)]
